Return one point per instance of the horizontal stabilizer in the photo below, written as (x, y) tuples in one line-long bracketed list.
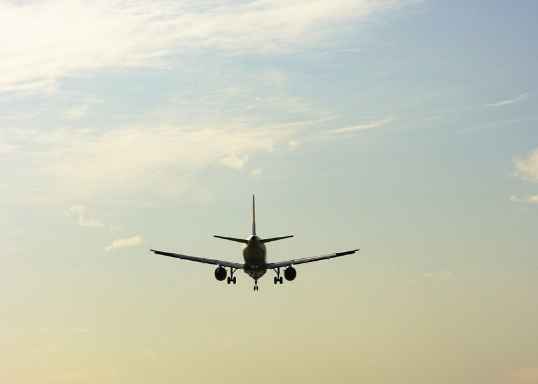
[(232, 239), (275, 239)]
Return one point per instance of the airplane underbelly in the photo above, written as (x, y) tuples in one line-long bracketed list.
[(254, 256), (255, 272)]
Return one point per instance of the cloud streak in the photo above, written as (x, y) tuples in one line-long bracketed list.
[(356, 128), (122, 243), (510, 101)]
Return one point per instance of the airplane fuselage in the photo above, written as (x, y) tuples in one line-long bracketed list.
[(255, 256)]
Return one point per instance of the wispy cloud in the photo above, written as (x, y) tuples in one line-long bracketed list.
[(233, 161), (527, 167), (84, 222), (526, 199), (122, 243), (80, 164), (356, 128), (256, 172), (80, 210), (57, 38), (437, 276), (510, 101)]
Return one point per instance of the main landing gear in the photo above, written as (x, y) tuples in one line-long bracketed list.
[(232, 279), (278, 278)]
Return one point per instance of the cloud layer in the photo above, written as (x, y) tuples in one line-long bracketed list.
[(45, 41)]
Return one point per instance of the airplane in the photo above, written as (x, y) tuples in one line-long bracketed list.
[(255, 256)]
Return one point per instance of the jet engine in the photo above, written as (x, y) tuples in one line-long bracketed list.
[(220, 273), (290, 273)]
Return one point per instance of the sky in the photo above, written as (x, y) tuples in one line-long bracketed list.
[(408, 128)]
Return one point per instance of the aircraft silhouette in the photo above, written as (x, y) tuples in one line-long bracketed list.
[(255, 256)]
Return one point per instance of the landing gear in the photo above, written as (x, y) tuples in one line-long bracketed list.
[(255, 285), (232, 279), (278, 278)]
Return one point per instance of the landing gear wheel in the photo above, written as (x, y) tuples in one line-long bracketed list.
[(277, 279), (232, 279)]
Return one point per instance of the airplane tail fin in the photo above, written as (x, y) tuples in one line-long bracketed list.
[(253, 217), (253, 230)]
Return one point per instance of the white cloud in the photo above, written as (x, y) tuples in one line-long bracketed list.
[(532, 199), (42, 42), (233, 161), (122, 243), (294, 144), (256, 172), (527, 168), (526, 199), (78, 111), (510, 101), (80, 210)]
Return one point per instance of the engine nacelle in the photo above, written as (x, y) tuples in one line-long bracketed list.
[(220, 273), (290, 273)]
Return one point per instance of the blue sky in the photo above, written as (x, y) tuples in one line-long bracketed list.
[(407, 128)]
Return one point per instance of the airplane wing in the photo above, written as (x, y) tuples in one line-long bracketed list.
[(309, 259), (200, 259)]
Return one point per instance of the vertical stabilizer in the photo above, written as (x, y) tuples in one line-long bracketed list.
[(253, 217)]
